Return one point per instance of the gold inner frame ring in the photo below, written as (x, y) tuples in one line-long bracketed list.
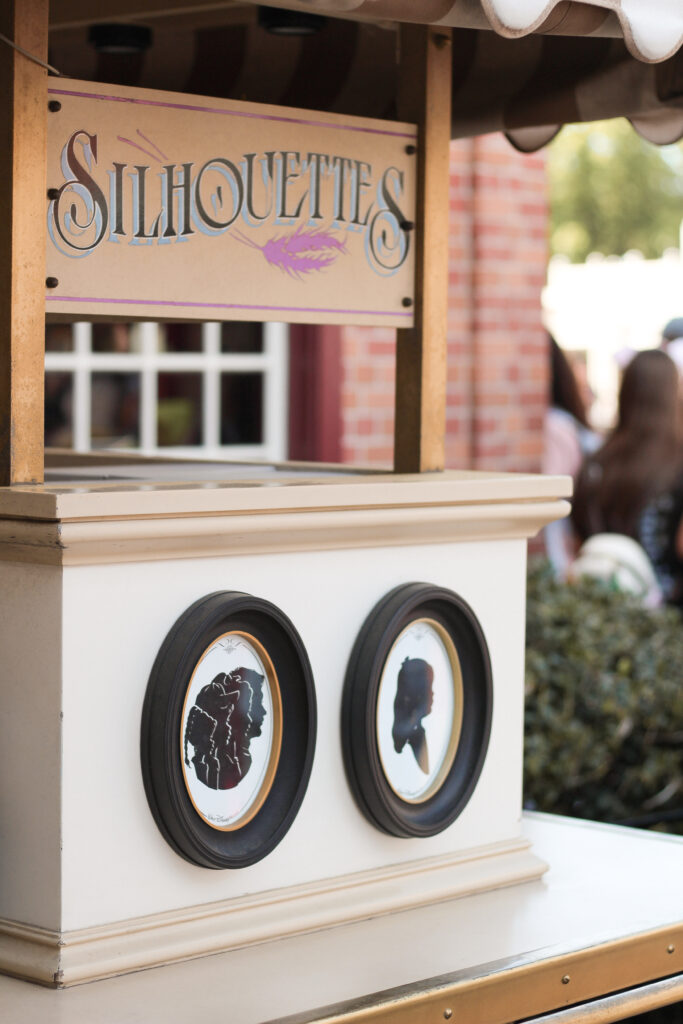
[(458, 703)]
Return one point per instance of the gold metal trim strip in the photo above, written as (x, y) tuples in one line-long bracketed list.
[(619, 1006), (524, 988)]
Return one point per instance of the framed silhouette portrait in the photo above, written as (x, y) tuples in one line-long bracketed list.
[(416, 710), (228, 730)]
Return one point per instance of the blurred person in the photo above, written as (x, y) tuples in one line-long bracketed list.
[(567, 432), (567, 438), (673, 331), (633, 485), (672, 341)]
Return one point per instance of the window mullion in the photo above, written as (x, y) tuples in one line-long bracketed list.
[(275, 404), (211, 383), (149, 334), (82, 411)]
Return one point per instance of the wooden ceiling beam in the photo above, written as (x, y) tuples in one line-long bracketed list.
[(65, 14)]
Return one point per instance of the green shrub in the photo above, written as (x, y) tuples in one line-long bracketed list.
[(604, 702)]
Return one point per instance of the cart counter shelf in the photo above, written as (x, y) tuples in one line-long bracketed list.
[(600, 937)]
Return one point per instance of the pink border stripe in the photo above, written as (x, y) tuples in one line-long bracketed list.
[(223, 305), (231, 113)]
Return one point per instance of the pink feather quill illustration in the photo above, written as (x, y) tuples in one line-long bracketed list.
[(300, 251)]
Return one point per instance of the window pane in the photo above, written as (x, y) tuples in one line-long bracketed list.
[(59, 338), (116, 338), (115, 411), (241, 408), (180, 337), (179, 409), (59, 410), (240, 336)]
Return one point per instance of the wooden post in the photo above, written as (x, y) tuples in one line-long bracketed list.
[(424, 97), (23, 205)]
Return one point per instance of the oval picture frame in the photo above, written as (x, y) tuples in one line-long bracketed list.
[(416, 710), (228, 730)]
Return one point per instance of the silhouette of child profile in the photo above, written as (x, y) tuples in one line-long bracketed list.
[(227, 714), (413, 702)]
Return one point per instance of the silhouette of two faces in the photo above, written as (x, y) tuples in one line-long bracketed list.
[(227, 714), (413, 702)]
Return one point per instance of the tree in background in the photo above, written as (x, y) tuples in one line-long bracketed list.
[(610, 191)]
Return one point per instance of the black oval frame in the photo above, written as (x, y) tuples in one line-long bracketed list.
[(180, 824), (374, 795)]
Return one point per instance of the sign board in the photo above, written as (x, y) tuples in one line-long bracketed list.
[(172, 206)]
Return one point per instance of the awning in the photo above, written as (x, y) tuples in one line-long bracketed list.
[(651, 29), (524, 67), (528, 66)]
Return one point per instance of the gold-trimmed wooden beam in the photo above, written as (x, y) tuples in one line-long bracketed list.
[(424, 97), (23, 137)]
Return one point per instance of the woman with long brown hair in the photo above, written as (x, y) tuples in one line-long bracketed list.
[(633, 484), (567, 438)]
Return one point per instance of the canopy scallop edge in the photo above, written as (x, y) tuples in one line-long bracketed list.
[(651, 29), (526, 67)]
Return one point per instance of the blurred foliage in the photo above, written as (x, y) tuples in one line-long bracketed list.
[(604, 702), (610, 191)]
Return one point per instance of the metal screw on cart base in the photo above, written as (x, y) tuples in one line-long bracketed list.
[(53, 106), (670, 949), (447, 1014), (566, 979), (51, 282)]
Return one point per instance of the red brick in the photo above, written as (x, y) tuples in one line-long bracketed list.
[(497, 365)]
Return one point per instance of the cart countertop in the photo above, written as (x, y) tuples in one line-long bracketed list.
[(608, 915), (89, 486)]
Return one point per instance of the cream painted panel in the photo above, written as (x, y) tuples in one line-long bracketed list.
[(30, 703), (116, 864)]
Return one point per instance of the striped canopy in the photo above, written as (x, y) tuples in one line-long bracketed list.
[(528, 66), (524, 67), (651, 29)]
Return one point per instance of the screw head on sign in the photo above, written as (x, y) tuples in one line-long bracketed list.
[(406, 301), (53, 193), (53, 106), (411, 150), (51, 282)]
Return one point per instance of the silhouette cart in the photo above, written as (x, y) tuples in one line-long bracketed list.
[(262, 721)]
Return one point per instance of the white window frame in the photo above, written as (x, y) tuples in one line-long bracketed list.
[(272, 363)]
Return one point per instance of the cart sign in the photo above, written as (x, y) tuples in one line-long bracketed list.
[(171, 206)]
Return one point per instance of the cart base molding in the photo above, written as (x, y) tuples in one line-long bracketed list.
[(75, 957)]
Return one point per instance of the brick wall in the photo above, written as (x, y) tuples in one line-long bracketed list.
[(497, 372)]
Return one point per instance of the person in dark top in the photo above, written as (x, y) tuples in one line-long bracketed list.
[(633, 484)]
